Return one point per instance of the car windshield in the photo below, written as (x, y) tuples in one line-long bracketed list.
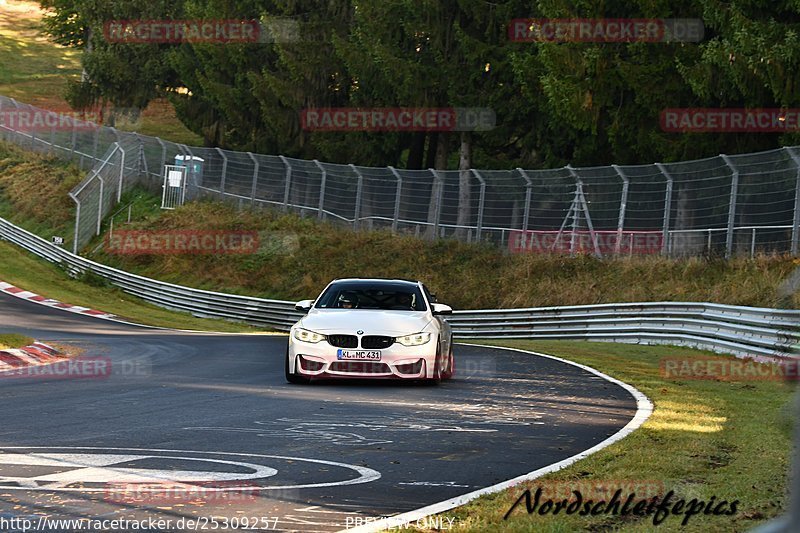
[(365, 295)]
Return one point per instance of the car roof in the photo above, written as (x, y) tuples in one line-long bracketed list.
[(376, 280)]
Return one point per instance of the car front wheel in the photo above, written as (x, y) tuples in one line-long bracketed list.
[(451, 364), (292, 378)]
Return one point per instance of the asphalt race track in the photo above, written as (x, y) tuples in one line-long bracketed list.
[(214, 412)]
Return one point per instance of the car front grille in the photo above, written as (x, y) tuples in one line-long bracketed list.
[(360, 367), (343, 341), (376, 342)]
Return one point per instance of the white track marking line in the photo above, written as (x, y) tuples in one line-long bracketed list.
[(644, 408)]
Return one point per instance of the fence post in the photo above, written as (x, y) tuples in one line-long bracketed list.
[(53, 139), (224, 172), (288, 186), (731, 206), (359, 194), (77, 221), (121, 173), (580, 203), (796, 218), (95, 144), (397, 194), (33, 134), (14, 131), (622, 206), (161, 175), (255, 178), (320, 212), (438, 185), (189, 170), (528, 194), (100, 203), (481, 203), (74, 137), (665, 237), (142, 159)]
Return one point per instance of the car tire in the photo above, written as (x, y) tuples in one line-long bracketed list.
[(451, 364), (437, 369), (294, 379)]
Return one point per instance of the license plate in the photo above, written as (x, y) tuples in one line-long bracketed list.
[(358, 355)]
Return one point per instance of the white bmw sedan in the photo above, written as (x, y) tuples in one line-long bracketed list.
[(371, 328)]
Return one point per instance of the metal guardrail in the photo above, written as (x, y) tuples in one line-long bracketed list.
[(737, 330)]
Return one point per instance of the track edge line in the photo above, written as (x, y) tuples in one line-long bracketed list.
[(644, 408)]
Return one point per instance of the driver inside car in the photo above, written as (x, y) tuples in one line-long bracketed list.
[(347, 301)]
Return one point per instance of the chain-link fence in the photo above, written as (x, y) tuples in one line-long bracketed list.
[(724, 205)]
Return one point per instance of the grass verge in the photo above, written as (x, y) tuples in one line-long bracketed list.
[(34, 192), (35, 71), (13, 340), (298, 256), (729, 439), (31, 273)]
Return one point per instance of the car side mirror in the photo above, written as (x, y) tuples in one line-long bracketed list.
[(441, 309), (304, 305)]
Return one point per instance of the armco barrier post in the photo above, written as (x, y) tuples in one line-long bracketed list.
[(731, 205)]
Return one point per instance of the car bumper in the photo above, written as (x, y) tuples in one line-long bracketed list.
[(320, 360)]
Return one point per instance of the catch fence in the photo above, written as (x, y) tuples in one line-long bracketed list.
[(724, 205)]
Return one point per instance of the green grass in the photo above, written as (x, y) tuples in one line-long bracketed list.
[(25, 270), (36, 71), (13, 340), (34, 192), (726, 439), (301, 256), (32, 69)]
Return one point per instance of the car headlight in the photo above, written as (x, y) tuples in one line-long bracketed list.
[(415, 339), (308, 336)]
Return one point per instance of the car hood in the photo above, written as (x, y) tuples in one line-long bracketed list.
[(371, 322)]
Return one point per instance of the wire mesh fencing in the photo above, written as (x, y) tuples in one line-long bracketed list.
[(724, 205)]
